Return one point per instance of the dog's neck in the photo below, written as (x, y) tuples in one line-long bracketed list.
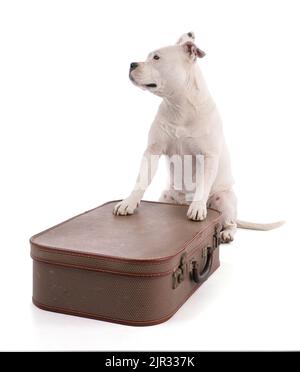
[(191, 101)]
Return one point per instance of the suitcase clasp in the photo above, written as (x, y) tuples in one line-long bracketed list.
[(180, 273), (216, 237)]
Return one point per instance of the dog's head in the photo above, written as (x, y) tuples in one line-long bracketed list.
[(165, 70)]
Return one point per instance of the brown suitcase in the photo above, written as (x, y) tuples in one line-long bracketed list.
[(135, 270)]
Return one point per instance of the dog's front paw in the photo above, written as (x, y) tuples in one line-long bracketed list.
[(197, 211), (125, 207)]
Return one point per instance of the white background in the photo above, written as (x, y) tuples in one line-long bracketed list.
[(66, 108)]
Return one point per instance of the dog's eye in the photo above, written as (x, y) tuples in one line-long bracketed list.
[(156, 57)]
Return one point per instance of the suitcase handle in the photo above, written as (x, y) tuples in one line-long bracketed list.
[(200, 277)]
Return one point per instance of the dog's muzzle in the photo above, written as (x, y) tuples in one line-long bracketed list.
[(133, 66)]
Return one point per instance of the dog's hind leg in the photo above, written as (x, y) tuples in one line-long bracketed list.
[(226, 203), (173, 197)]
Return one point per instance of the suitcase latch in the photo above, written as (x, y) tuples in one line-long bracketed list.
[(216, 238), (180, 273)]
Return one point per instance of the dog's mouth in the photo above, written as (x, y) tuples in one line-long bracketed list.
[(151, 85)]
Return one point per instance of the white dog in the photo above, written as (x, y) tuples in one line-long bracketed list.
[(187, 123)]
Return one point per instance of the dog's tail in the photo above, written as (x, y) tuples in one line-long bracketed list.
[(258, 226)]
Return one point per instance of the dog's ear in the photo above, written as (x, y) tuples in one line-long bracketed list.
[(189, 36), (192, 50)]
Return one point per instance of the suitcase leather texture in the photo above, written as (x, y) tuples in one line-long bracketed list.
[(134, 270)]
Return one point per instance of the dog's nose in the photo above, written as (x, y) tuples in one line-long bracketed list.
[(133, 66)]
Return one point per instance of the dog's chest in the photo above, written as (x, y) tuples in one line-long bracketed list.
[(175, 131), (180, 140)]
